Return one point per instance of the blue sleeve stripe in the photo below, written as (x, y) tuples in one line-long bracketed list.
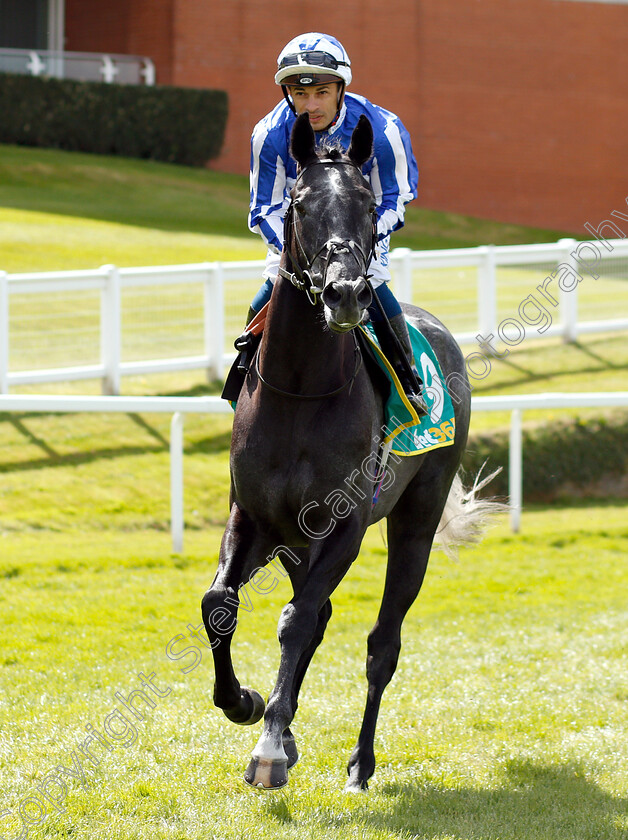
[(267, 189)]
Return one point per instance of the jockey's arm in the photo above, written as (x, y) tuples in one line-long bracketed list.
[(269, 200), (394, 178)]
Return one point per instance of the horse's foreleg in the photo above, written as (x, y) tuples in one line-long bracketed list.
[(289, 744), (323, 619), (242, 551), (409, 547), (269, 765), (300, 630)]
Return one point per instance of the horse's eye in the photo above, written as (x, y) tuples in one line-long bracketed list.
[(372, 208), (299, 208)]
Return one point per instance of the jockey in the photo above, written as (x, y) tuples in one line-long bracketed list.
[(314, 71)]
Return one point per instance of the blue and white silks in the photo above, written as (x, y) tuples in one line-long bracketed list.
[(392, 172)]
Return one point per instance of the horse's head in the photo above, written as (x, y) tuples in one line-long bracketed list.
[(330, 226)]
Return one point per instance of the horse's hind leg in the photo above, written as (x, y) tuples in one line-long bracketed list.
[(242, 551), (409, 548)]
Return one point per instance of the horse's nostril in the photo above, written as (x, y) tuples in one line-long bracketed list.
[(363, 294), (331, 296)]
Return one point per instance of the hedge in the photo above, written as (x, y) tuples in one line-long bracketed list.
[(573, 452), (177, 125)]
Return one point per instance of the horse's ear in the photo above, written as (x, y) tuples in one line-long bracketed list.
[(302, 141), (361, 146)]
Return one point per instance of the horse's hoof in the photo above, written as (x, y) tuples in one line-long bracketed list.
[(357, 781), (267, 773), (355, 786), (290, 748), (250, 710)]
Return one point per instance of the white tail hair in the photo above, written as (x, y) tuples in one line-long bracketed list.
[(466, 517)]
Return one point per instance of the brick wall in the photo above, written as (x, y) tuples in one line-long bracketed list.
[(131, 27), (522, 105), (517, 108)]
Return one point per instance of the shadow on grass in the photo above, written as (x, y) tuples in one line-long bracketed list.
[(215, 443), (588, 362), (536, 803), (51, 458)]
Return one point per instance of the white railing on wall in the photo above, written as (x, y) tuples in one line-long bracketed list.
[(82, 66), (179, 406), (411, 279)]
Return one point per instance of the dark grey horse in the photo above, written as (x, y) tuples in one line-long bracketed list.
[(305, 436)]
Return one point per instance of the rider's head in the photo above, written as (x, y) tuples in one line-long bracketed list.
[(313, 71)]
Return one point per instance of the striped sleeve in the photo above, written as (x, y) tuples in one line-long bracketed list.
[(268, 188), (394, 176)]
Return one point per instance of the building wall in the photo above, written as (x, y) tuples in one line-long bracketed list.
[(128, 27), (517, 108), (523, 105)]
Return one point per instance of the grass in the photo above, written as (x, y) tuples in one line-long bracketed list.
[(31, 240), (64, 210), (506, 718)]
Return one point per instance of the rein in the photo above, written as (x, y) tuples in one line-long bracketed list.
[(348, 384)]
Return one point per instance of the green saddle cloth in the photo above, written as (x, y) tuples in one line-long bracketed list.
[(408, 433)]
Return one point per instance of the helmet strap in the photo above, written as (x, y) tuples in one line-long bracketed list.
[(341, 99), (284, 90)]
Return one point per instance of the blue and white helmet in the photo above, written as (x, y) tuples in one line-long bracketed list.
[(313, 59)]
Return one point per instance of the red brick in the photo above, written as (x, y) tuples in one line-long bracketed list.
[(517, 108)]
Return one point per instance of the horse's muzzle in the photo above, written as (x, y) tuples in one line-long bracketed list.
[(345, 302)]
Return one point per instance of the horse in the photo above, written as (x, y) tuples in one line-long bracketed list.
[(307, 420)]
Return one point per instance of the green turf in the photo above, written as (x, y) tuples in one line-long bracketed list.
[(80, 211), (506, 718), (32, 240)]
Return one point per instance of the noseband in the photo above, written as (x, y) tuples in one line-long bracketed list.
[(301, 275)]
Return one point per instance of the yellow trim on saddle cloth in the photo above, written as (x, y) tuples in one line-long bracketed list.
[(409, 434)]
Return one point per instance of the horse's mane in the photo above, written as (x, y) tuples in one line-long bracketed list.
[(330, 151)]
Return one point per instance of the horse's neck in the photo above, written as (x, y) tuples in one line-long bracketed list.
[(298, 351)]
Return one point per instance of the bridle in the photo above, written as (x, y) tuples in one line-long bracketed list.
[(301, 274)]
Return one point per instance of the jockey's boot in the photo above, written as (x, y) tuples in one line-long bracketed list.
[(410, 381), (246, 344)]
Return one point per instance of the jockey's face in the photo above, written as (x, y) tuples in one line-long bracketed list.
[(320, 102)]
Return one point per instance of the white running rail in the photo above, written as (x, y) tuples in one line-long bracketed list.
[(82, 66), (179, 406), (531, 307)]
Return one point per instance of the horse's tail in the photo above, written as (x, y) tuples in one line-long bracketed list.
[(465, 516)]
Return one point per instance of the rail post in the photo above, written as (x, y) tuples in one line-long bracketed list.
[(487, 296), (515, 472), (214, 316), (569, 297), (4, 332), (401, 262), (110, 330), (176, 482)]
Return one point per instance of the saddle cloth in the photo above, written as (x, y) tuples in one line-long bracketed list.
[(403, 429), (407, 433)]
